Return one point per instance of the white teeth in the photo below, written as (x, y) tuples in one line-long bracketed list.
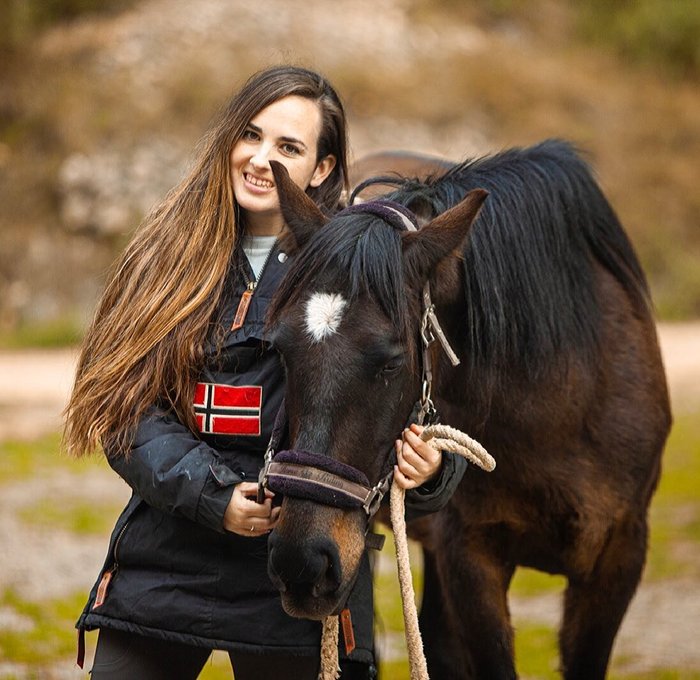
[(256, 181)]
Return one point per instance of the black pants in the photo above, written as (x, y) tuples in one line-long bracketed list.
[(122, 655)]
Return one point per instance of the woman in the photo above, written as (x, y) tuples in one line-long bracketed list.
[(178, 386)]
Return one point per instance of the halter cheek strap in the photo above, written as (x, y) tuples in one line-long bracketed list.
[(315, 477), (400, 217)]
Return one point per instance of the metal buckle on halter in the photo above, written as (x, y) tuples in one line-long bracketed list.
[(375, 495), (262, 475)]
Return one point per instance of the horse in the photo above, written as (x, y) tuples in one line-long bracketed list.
[(540, 294), (385, 167)]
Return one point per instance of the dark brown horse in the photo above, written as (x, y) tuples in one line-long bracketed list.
[(394, 165), (560, 378)]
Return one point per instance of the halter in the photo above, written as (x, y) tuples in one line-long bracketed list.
[(315, 477)]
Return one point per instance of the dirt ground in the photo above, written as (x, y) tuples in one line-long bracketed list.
[(660, 630)]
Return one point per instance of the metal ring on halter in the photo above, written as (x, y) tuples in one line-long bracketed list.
[(426, 392)]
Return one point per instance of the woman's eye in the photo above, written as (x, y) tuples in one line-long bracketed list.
[(250, 136), (290, 150)]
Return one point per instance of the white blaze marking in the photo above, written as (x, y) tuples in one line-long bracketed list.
[(324, 312)]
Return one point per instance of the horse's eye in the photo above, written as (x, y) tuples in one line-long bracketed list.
[(393, 365)]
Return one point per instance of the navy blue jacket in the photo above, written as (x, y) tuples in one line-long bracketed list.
[(171, 570)]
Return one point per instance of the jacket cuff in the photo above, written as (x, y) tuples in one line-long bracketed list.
[(216, 495), (435, 495)]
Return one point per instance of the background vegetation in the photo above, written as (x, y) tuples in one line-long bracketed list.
[(118, 86)]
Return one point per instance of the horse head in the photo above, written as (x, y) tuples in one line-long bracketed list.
[(346, 323)]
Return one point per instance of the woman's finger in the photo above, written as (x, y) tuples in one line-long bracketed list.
[(414, 459), (407, 468), (402, 481), (423, 449)]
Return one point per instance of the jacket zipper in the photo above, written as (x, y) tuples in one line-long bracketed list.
[(101, 594), (251, 285), (116, 543)]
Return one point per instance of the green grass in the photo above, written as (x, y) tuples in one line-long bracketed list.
[(52, 635), (675, 511), (217, 668), (74, 516), (21, 459), (651, 31), (529, 583), (388, 604), (536, 653), (537, 658), (41, 456), (62, 332), (681, 466)]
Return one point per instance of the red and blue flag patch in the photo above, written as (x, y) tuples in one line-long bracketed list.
[(228, 410)]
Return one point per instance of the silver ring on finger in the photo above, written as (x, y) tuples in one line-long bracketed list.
[(252, 528)]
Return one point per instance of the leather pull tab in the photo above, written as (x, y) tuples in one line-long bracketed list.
[(102, 589), (374, 541), (80, 660), (348, 633), (242, 311)]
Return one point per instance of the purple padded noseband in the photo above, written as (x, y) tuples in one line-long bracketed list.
[(318, 478)]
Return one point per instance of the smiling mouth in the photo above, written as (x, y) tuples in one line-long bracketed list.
[(257, 181)]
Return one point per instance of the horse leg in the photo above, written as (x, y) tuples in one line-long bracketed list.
[(433, 623), (595, 604), (474, 580)]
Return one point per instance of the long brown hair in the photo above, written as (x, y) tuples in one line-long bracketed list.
[(146, 342)]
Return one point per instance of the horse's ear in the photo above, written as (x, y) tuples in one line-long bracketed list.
[(302, 215), (424, 249)]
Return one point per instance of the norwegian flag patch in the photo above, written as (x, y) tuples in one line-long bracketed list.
[(224, 409)]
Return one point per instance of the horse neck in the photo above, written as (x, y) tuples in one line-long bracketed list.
[(471, 395)]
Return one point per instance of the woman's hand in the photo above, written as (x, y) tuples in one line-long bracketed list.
[(417, 461), (245, 516)]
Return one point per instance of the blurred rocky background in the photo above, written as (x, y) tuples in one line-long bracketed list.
[(102, 102)]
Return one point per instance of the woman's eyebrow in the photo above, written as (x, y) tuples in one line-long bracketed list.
[(292, 140)]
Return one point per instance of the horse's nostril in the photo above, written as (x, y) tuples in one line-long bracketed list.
[(312, 565)]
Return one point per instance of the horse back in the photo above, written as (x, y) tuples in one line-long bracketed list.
[(562, 378)]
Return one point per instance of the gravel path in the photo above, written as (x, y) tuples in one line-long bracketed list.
[(660, 630)]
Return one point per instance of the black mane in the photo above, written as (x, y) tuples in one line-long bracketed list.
[(529, 280), (356, 255), (530, 290)]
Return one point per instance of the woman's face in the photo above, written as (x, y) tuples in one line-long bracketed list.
[(286, 131)]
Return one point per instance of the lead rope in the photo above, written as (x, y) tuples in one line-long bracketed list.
[(330, 668), (448, 439), (441, 438)]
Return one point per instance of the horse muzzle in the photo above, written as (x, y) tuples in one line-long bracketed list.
[(315, 550), (313, 557), (308, 574)]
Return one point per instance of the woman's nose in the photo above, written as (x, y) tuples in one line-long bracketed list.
[(261, 158)]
